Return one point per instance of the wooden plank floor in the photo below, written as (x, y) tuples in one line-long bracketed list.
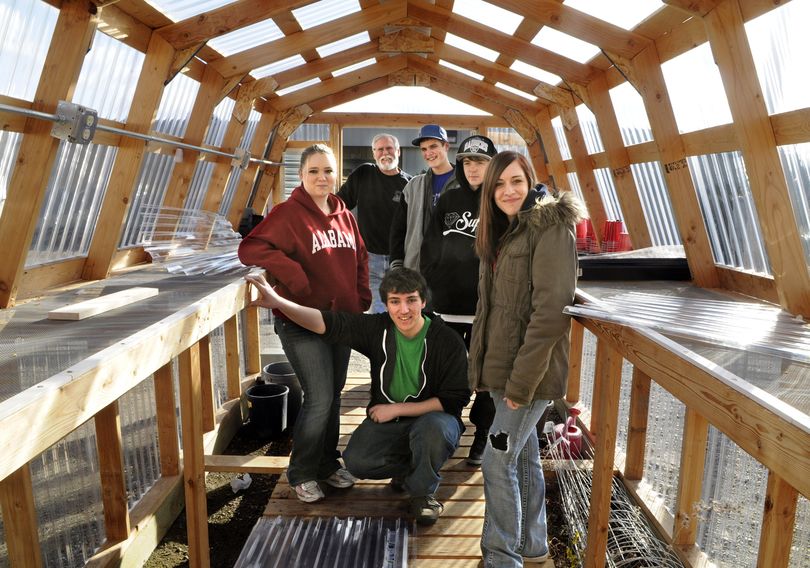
[(455, 538)]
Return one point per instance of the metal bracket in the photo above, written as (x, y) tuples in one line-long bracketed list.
[(74, 123), (241, 158)]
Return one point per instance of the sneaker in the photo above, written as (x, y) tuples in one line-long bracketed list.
[(426, 509), (309, 491), (341, 479), (477, 448), (536, 559), (398, 484)]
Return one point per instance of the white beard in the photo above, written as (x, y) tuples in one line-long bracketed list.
[(388, 166)]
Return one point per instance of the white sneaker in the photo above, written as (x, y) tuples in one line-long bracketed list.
[(536, 559), (341, 479), (309, 491)]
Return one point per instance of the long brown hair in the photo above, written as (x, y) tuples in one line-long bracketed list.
[(492, 222)]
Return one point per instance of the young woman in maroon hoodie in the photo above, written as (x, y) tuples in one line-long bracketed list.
[(313, 252)]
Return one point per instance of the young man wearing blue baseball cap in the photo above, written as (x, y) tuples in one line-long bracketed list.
[(419, 197)]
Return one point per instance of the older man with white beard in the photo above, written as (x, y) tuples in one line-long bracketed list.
[(374, 191)]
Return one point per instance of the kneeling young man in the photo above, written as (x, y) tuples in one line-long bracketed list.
[(418, 385)]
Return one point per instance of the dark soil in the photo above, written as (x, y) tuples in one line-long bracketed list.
[(232, 516)]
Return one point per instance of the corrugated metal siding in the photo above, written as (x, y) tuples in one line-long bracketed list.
[(72, 201), (198, 185), (109, 74), (604, 181), (215, 133), (590, 130), (150, 188), (729, 211), (175, 106), (796, 163), (236, 173), (311, 132), (26, 28), (655, 203), (630, 114), (562, 141)]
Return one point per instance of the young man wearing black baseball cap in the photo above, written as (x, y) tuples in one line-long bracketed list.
[(420, 196)]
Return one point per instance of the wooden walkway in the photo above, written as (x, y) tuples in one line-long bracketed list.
[(452, 542)]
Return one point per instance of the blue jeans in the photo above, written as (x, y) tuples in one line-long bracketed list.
[(377, 265), (412, 448), (321, 370), (514, 488)]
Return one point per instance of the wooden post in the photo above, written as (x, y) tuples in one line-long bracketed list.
[(20, 519), (223, 168), (111, 468), (128, 159), (193, 457), (575, 362), (336, 143), (778, 521), (637, 427), (166, 415), (29, 179), (232, 357), (207, 382), (253, 356), (607, 387), (690, 482)]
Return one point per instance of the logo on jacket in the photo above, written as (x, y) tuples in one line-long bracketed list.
[(332, 239), (464, 224)]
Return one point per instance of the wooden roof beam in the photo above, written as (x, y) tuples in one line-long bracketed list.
[(314, 37), (500, 96), (337, 84), (492, 71), (384, 120), (499, 41), (579, 25), (223, 20)]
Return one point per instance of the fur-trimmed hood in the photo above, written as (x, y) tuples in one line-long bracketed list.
[(542, 210)]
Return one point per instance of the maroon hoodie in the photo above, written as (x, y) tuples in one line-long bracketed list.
[(315, 259)]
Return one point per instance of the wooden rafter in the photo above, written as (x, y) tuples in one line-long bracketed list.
[(578, 24), (308, 39), (325, 65), (499, 41), (220, 21)]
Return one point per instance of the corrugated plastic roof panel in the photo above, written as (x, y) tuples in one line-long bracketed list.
[(247, 37), (324, 11)]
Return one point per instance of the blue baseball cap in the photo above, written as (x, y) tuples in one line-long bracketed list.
[(430, 131)]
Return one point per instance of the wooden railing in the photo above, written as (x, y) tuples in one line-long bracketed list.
[(775, 434), (41, 416)]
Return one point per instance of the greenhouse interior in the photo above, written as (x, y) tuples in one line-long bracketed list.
[(142, 140)]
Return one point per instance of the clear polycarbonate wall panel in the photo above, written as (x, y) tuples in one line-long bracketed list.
[(604, 181), (73, 198), (26, 28), (9, 146), (175, 106), (796, 165), (311, 132), (219, 122), (67, 497), (198, 186), (507, 139), (140, 442), (696, 90), (562, 141), (573, 182), (153, 179), (631, 115), (108, 77), (655, 203), (780, 44), (590, 130), (728, 211)]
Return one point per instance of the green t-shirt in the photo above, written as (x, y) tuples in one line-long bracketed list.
[(409, 359)]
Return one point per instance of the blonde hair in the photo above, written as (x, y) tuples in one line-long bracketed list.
[(314, 149)]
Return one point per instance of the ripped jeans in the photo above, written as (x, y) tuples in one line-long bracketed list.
[(514, 488)]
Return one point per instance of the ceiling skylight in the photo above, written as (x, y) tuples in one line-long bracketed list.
[(460, 69), (324, 11), (565, 45), (354, 67), (471, 47), (297, 87), (278, 66), (245, 38), (518, 92), (343, 44), (626, 14), (487, 14), (408, 100), (535, 72)]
